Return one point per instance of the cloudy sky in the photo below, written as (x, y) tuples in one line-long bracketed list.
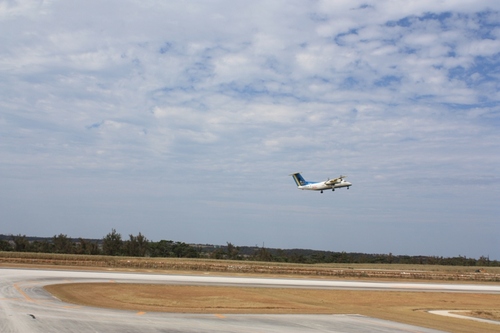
[(183, 119)]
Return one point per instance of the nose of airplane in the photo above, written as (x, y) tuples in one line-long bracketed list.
[(348, 184)]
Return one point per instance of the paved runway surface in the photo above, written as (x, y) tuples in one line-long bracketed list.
[(26, 307)]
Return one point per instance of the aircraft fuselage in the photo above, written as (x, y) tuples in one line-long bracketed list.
[(320, 186)]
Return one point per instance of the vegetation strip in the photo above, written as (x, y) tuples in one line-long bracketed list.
[(139, 246), (370, 271)]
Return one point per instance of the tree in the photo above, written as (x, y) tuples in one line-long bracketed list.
[(62, 244), (21, 244), (218, 254), (233, 251), (136, 246), (41, 247), (112, 244), (5, 246), (86, 247), (280, 256), (483, 261), (162, 248), (262, 254), (142, 244), (183, 250)]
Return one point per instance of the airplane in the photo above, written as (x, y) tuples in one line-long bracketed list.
[(328, 184)]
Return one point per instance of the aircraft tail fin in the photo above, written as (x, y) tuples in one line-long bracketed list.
[(299, 180)]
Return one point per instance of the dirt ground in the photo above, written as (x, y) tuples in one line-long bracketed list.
[(405, 307), (492, 315)]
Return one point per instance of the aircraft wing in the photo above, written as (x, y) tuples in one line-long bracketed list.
[(335, 180)]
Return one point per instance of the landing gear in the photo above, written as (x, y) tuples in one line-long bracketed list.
[(321, 191), (333, 189)]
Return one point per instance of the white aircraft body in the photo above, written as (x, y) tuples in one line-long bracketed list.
[(329, 184)]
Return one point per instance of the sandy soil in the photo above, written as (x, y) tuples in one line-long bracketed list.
[(485, 314), (405, 307)]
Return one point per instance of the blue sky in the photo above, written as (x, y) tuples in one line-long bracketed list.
[(182, 121)]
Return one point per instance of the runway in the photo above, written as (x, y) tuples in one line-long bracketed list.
[(26, 307)]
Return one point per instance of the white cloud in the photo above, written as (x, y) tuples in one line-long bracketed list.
[(485, 48)]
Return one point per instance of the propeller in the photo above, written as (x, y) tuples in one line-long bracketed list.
[(335, 180)]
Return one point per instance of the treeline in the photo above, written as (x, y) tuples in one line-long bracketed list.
[(316, 257), (112, 244), (139, 246)]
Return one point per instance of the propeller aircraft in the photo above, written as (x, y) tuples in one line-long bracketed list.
[(329, 184)]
